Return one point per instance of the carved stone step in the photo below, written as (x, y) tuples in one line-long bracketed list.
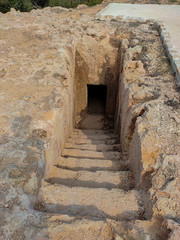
[(93, 141), (94, 147), (98, 179), (90, 202), (92, 131), (92, 164), (78, 153), (93, 136)]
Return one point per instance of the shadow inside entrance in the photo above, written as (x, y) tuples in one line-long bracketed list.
[(96, 98)]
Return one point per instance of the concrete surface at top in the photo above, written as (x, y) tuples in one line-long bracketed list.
[(168, 14)]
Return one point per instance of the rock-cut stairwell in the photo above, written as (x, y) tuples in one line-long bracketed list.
[(91, 180)]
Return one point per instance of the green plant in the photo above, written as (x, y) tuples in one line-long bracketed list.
[(72, 3), (28, 5), (41, 3), (22, 5)]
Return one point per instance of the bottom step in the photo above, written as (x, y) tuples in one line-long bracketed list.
[(81, 229), (90, 202), (63, 227)]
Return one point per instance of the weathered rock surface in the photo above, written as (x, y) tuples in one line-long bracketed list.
[(90, 202), (40, 53)]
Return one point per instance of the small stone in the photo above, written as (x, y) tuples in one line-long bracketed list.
[(13, 10), (81, 6), (27, 97), (2, 73), (6, 205), (135, 42), (118, 238)]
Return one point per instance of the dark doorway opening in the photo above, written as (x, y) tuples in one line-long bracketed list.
[(96, 98)]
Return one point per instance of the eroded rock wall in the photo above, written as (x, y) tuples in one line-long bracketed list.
[(97, 63), (148, 113), (37, 75)]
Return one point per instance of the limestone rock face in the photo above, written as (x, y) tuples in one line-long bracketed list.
[(81, 6), (47, 58)]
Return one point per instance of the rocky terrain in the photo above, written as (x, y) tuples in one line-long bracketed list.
[(44, 53)]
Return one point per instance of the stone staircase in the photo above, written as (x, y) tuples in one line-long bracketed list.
[(92, 180)]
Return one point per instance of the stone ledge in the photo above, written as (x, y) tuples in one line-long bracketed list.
[(172, 53)]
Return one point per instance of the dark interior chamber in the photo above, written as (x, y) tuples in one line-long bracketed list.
[(96, 98)]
